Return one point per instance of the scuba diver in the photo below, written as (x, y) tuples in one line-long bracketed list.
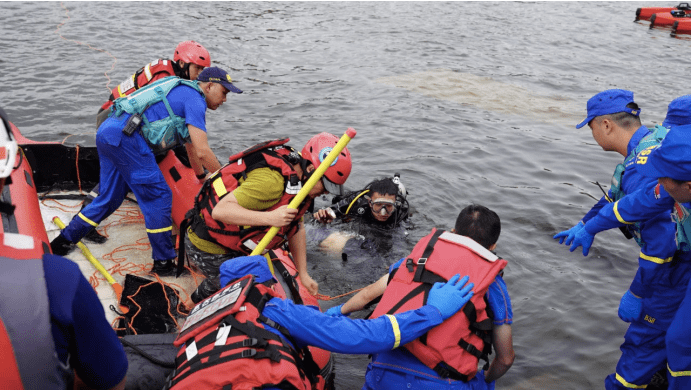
[(382, 203), (378, 209)]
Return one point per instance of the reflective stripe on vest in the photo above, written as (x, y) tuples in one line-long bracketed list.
[(224, 342), (271, 154), (25, 314), (165, 133)]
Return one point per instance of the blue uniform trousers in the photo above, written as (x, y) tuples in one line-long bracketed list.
[(127, 163), (679, 346), (643, 350)]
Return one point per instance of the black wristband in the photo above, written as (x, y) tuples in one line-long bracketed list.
[(201, 176)]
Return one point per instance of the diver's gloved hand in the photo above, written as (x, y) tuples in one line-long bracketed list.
[(630, 307), (567, 236), (582, 238), (336, 312), (450, 297)]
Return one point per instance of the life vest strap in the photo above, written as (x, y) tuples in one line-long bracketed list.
[(425, 255), (445, 371)]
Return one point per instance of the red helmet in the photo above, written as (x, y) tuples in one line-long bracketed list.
[(316, 150), (192, 52)]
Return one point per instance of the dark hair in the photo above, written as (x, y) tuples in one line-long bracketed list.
[(624, 119), (383, 187), (479, 223)]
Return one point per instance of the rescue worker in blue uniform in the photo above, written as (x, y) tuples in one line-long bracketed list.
[(126, 155), (658, 287), (643, 204), (399, 368), (307, 326), (671, 165), (65, 331)]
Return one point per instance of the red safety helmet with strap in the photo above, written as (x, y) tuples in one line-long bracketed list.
[(453, 348), (316, 150), (191, 52)]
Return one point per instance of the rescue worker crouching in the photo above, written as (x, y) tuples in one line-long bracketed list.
[(464, 338), (249, 336), (239, 204), (152, 120)]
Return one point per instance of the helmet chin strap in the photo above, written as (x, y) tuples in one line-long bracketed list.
[(305, 175)]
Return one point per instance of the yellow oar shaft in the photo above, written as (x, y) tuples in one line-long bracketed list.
[(316, 176), (88, 254)]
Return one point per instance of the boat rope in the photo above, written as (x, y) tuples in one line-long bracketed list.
[(323, 297), (58, 32)]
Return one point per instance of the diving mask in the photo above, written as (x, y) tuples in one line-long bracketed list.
[(383, 206)]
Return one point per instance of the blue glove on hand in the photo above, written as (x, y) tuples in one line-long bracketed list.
[(583, 238), (630, 307), (336, 312), (568, 234), (450, 297)]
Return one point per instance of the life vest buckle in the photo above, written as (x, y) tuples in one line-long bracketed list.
[(251, 342), (249, 353), (422, 261)]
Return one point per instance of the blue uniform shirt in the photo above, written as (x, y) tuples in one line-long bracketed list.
[(79, 326), (656, 232)]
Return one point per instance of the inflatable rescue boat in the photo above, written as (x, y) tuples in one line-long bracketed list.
[(51, 166)]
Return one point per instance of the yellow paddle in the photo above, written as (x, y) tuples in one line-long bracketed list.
[(116, 286), (316, 176)]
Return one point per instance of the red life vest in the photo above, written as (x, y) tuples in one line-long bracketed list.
[(156, 70), (271, 154), (224, 343), (453, 348), (27, 349)]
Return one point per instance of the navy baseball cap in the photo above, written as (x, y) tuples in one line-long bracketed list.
[(678, 112), (217, 75), (671, 159), (608, 102), (238, 267)]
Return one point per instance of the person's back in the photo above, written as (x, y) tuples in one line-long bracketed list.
[(477, 230)]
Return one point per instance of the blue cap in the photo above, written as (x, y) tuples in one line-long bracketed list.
[(678, 112), (671, 159), (608, 102), (217, 75), (238, 267)]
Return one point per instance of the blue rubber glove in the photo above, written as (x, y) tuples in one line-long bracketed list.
[(582, 238), (450, 297), (630, 307), (569, 234), (336, 312)]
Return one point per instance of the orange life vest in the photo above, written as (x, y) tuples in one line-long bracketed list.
[(156, 70), (272, 154), (224, 343), (453, 348)]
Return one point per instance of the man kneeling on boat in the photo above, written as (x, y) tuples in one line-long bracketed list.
[(52, 324), (151, 121), (247, 336), (238, 205)]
